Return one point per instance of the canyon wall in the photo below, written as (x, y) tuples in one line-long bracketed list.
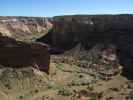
[(63, 33), (15, 32), (20, 54), (24, 28), (93, 30)]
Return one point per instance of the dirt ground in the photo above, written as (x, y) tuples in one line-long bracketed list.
[(65, 82)]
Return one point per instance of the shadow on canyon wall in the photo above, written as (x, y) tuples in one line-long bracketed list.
[(89, 31), (123, 52)]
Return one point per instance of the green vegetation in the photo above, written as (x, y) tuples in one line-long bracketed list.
[(95, 98), (53, 86), (60, 66), (64, 92), (130, 96), (21, 98), (61, 89)]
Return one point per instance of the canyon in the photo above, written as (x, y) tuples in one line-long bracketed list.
[(63, 33), (71, 57), (91, 31)]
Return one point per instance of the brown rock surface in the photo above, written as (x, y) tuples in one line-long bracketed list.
[(90, 30), (19, 54), (93, 30), (24, 28), (66, 32)]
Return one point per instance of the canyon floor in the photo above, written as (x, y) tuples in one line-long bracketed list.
[(66, 81)]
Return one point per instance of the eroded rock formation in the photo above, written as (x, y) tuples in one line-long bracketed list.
[(66, 32), (24, 28), (20, 54), (92, 30)]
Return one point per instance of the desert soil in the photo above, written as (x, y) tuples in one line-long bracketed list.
[(65, 82)]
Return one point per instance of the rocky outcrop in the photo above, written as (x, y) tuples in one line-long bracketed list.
[(24, 28), (92, 30), (66, 32), (20, 54)]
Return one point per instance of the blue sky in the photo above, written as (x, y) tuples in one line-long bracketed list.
[(64, 7)]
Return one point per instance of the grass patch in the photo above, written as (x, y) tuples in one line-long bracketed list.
[(95, 98), (60, 66), (21, 97), (64, 92)]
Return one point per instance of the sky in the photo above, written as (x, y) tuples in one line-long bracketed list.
[(51, 8)]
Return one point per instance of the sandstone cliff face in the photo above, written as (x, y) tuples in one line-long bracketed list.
[(65, 32), (24, 28), (93, 30), (20, 54)]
